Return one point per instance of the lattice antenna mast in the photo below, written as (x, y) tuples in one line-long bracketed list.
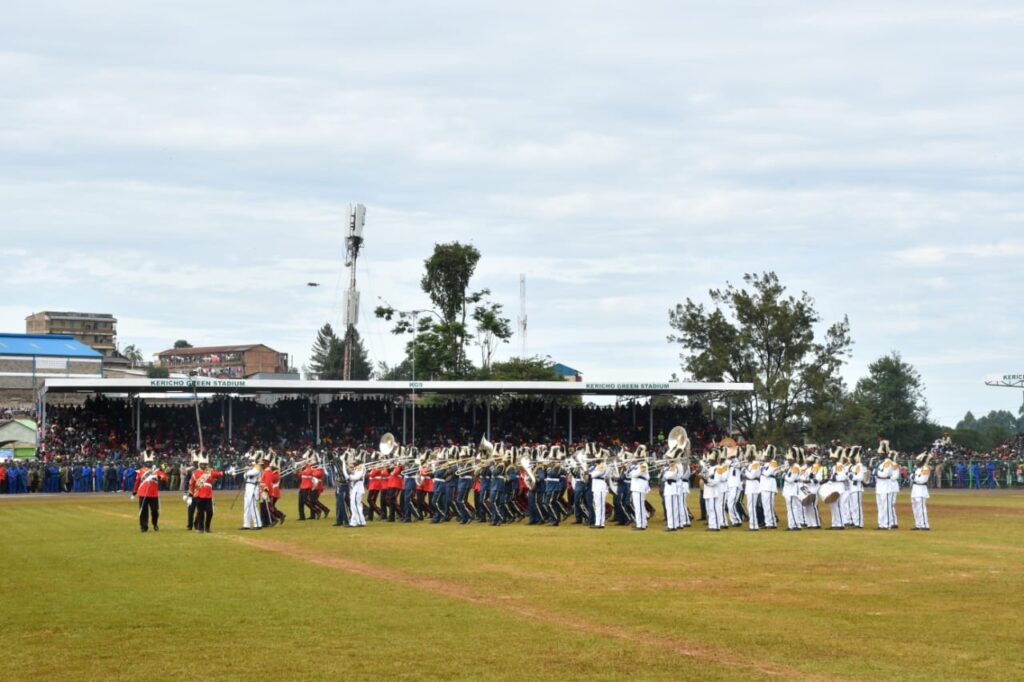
[(353, 243), (522, 316)]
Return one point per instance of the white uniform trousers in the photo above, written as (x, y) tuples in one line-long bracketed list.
[(251, 509), (355, 505), (884, 512), (918, 504), (812, 518), (892, 509), (768, 506), (684, 495), (733, 506), (639, 509), (672, 512), (855, 509), (598, 490), (752, 499), (837, 513), (794, 512)]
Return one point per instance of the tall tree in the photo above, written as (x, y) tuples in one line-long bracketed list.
[(182, 343), (440, 335), (362, 368), (327, 354), (892, 394), (760, 335), (491, 329)]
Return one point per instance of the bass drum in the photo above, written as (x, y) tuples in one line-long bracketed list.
[(830, 492), (805, 495)]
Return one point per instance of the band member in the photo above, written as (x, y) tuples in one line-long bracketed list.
[(374, 489), (685, 471), (319, 476), (462, 488), (392, 490), (838, 476), (409, 476), (919, 492), (639, 486), (483, 489), (883, 487), (356, 478), (768, 487), (734, 486), (200, 487), (791, 492), (305, 485), (752, 483), (598, 491), (496, 493), (670, 494), (147, 488), (813, 476), (272, 484), (250, 512), (190, 508), (341, 487), (855, 504)]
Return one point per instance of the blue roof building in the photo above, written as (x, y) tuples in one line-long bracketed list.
[(27, 360)]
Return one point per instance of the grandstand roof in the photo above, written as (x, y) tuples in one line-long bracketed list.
[(285, 387), (46, 345)]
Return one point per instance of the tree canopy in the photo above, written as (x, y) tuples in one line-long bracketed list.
[(758, 334), (327, 359)]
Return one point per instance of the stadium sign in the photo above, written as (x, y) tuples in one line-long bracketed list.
[(626, 387), (199, 383)]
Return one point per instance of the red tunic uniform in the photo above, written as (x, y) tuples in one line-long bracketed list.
[(201, 483), (147, 482), (306, 478), (394, 480), (318, 480)]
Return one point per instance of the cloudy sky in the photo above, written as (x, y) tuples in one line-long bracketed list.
[(190, 170)]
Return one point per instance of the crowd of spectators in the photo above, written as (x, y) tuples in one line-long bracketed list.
[(92, 447)]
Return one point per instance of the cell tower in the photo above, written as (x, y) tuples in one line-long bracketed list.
[(353, 242), (522, 316)]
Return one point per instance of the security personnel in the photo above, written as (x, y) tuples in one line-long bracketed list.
[(919, 492), (200, 487), (147, 487)]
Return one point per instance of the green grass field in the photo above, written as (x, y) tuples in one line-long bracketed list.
[(87, 596)]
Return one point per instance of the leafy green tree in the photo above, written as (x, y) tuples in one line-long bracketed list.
[(157, 372), (522, 369), (440, 335), (760, 335), (491, 329), (327, 359), (992, 430), (182, 343), (892, 394)]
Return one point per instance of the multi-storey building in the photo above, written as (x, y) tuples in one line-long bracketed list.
[(96, 330), (235, 362)]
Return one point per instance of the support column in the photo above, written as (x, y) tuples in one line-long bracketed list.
[(414, 418), (318, 420), (650, 427), (570, 425), (404, 440), (138, 423), (488, 420), (231, 406)]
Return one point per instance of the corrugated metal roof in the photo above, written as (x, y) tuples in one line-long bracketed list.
[(46, 345)]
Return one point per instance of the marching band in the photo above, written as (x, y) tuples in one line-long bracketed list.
[(546, 486)]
